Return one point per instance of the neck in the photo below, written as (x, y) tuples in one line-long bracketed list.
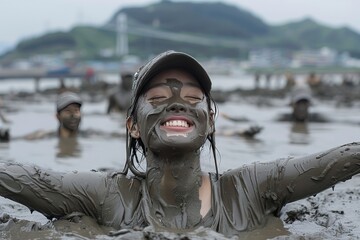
[(66, 133), (173, 182)]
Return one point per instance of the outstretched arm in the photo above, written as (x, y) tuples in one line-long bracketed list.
[(292, 179), (263, 188), (53, 194), (249, 132)]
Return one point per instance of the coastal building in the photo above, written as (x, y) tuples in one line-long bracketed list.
[(268, 58), (319, 57)]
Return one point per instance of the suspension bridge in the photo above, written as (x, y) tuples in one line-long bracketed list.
[(124, 27)]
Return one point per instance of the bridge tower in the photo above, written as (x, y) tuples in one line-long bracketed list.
[(122, 44)]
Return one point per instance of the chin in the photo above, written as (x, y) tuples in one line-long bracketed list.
[(174, 149), (176, 142)]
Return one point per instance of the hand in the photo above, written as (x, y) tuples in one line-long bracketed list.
[(252, 131)]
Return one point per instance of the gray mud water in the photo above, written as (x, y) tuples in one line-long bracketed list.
[(328, 215)]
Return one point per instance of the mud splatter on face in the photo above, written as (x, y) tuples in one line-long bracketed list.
[(174, 123), (174, 83), (70, 117), (170, 104)]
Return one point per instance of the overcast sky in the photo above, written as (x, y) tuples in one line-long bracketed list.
[(27, 18)]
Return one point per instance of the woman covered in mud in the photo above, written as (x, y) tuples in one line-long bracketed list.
[(169, 122)]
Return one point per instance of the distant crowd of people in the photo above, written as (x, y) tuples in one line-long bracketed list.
[(69, 104)]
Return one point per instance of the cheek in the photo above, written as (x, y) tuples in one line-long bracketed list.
[(203, 112), (204, 119), (148, 116), (208, 119), (63, 116)]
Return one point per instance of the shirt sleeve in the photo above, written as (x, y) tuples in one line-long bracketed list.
[(51, 193), (291, 179), (253, 191)]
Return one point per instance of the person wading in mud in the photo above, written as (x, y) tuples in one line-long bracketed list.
[(68, 114), (300, 102), (171, 118), (68, 106), (119, 101)]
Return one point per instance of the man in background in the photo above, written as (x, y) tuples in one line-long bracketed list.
[(68, 113), (300, 102), (68, 106), (119, 101)]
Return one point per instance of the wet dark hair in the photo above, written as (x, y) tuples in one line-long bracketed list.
[(135, 146)]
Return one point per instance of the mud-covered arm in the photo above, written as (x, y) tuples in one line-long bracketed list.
[(292, 179), (253, 191), (53, 194)]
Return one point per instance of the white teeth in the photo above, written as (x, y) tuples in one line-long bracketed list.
[(176, 123)]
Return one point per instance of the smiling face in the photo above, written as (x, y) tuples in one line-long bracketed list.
[(70, 117), (172, 113)]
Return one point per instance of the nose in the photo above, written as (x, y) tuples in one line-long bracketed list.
[(75, 114), (176, 107)]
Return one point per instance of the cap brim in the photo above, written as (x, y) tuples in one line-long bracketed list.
[(169, 60), (61, 107), (302, 97), (67, 98)]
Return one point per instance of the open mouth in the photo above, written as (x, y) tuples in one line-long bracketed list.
[(177, 124)]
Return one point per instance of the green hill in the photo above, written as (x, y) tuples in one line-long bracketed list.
[(85, 42), (208, 21), (307, 34)]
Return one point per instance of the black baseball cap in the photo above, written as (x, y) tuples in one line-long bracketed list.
[(167, 60)]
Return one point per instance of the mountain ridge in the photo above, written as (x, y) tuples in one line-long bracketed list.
[(207, 19)]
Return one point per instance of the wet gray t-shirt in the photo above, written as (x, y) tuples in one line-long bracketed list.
[(242, 198)]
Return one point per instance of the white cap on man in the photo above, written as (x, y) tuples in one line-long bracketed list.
[(299, 93), (67, 98)]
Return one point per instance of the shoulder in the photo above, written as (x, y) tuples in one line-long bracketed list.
[(317, 117), (284, 117), (128, 184), (40, 134), (232, 179), (253, 173)]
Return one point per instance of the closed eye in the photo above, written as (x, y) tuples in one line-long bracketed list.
[(192, 94), (193, 99), (157, 98)]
